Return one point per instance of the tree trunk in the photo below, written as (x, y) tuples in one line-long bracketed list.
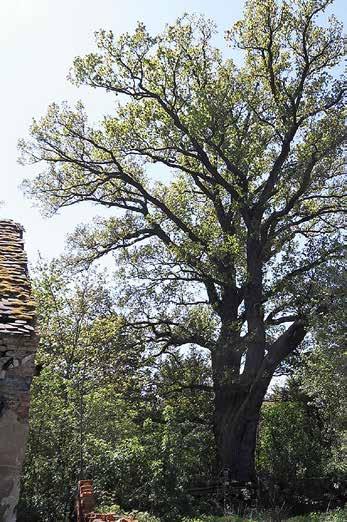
[(237, 413)]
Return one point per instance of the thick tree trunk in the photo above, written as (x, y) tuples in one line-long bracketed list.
[(238, 398), (238, 404), (237, 412)]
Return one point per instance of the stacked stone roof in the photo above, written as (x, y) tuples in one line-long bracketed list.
[(17, 310)]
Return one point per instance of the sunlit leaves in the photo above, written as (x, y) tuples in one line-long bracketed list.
[(221, 180)]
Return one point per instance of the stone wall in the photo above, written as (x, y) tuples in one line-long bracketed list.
[(18, 343)]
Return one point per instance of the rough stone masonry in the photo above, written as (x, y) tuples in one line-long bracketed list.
[(18, 343)]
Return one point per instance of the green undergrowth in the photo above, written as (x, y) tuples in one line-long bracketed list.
[(338, 515), (138, 515)]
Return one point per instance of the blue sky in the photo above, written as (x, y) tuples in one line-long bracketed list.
[(38, 41)]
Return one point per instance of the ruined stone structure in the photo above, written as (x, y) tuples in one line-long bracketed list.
[(18, 343), (85, 506)]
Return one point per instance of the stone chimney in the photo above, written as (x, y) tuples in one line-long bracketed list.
[(18, 343)]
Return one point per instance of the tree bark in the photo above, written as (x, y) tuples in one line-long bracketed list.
[(238, 402), (237, 412)]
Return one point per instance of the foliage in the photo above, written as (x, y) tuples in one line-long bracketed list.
[(65, 396), (220, 262), (292, 444), (338, 515), (232, 518), (322, 374), (277, 118), (323, 379), (303, 428), (146, 517), (224, 252), (145, 434), (98, 411)]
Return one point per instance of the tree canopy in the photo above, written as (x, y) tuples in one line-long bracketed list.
[(225, 249)]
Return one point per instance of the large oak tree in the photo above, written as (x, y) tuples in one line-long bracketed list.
[(221, 250)]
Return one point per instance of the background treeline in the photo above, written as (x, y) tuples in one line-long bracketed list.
[(140, 424)]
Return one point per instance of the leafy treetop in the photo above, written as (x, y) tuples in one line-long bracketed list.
[(249, 202)]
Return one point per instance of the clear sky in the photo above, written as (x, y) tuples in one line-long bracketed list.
[(38, 41)]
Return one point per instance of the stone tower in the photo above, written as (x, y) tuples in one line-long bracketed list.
[(18, 343)]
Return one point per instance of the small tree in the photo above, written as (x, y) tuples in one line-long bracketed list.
[(222, 252)]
